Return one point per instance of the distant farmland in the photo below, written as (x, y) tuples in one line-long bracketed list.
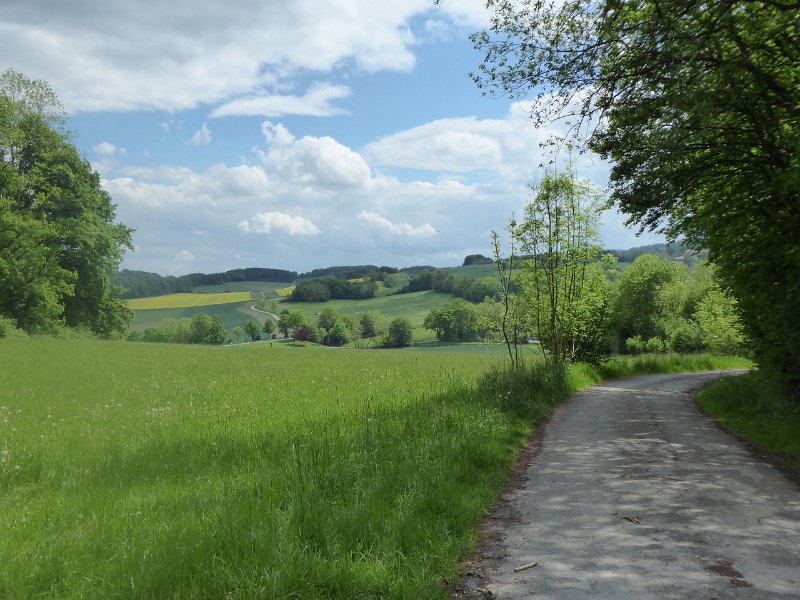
[(188, 300)]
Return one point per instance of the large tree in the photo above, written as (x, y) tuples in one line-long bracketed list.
[(59, 244), (697, 104)]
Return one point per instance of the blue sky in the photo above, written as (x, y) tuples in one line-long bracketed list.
[(290, 135)]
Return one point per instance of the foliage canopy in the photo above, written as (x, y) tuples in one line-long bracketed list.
[(698, 106), (59, 244)]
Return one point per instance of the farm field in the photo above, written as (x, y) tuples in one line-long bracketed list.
[(189, 300), (413, 306), (266, 287), (147, 470), (231, 314)]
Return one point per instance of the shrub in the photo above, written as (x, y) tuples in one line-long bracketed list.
[(399, 333), (8, 328)]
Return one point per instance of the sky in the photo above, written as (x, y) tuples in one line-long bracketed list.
[(291, 135)]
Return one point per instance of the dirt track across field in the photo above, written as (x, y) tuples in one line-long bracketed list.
[(635, 493)]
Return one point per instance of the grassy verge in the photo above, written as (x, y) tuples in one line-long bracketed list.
[(755, 408), (160, 471)]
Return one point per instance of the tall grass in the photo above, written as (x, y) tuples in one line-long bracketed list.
[(146, 471), (758, 410), (157, 471)]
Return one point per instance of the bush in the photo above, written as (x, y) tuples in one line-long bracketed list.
[(8, 328), (635, 345), (399, 333), (686, 337), (655, 345)]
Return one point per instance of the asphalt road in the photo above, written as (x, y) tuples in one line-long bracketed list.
[(637, 494)]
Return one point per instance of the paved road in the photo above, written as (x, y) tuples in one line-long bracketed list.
[(636, 494)]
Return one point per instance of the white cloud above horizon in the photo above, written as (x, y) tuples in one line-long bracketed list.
[(317, 190), (339, 129), (205, 52)]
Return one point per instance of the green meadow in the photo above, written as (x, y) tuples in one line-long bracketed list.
[(164, 471), (169, 471)]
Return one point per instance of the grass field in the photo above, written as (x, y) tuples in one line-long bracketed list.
[(231, 315), (414, 306), (189, 300), (265, 287), (755, 408), (161, 471), (138, 470)]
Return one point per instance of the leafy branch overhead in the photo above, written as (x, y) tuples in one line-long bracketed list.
[(697, 106)]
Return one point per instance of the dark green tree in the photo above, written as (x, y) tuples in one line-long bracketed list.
[(207, 329), (698, 106), (59, 244), (399, 334), (252, 330)]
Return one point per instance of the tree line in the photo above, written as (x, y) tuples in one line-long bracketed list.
[(697, 107)]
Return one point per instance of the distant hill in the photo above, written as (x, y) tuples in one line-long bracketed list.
[(139, 284)]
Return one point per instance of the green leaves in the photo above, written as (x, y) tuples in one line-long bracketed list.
[(697, 104), (58, 240)]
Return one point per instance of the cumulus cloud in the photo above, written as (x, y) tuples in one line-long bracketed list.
[(319, 162), (268, 222), (190, 53), (105, 149), (306, 202), (317, 102), (377, 220), (202, 137)]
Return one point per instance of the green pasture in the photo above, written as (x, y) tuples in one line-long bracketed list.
[(231, 315), (161, 471), (265, 287), (473, 271), (414, 306)]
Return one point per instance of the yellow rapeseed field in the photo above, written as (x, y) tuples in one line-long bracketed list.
[(283, 292), (188, 300)]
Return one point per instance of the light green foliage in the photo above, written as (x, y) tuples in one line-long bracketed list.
[(327, 318), (458, 321), (372, 323), (565, 292), (269, 326), (696, 105), (399, 333), (253, 330), (207, 329), (58, 240), (649, 293), (237, 333), (340, 333), (291, 320), (718, 318), (8, 328)]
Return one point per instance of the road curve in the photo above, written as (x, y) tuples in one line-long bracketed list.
[(637, 494)]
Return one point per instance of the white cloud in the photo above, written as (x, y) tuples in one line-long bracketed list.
[(321, 163), (202, 137), (315, 202), (105, 149), (377, 220), (190, 53), (317, 102), (267, 222)]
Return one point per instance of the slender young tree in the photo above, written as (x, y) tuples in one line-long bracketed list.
[(565, 290)]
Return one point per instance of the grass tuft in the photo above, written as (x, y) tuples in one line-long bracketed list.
[(757, 409)]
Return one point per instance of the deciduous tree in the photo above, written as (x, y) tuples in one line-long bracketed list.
[(698, 106)]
